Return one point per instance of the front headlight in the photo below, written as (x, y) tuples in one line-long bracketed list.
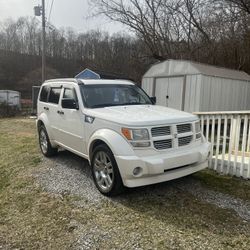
[(137, 137), (197, 127), (135, 134), (197, 130), (140, 134)]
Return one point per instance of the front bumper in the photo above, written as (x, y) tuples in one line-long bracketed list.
[(163, 167)]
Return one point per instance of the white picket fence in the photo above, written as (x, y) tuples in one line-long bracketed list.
[(229, 134)]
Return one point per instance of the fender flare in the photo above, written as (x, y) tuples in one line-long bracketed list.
[(116, 142), (44, 119)]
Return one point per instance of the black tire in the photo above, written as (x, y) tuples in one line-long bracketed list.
[(117, 185), (47, 150)]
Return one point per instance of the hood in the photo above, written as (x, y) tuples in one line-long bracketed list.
[(141, 115)]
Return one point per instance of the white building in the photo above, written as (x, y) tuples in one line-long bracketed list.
[(191, 86), (10, 97)]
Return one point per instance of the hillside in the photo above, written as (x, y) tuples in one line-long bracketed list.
[(21, 71)]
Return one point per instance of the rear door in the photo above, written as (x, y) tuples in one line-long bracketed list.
[(52, 107)]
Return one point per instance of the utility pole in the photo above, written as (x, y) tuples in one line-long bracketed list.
[(43, 42), (40, 11)]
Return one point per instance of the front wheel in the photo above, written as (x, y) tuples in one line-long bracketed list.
[(105, 172)]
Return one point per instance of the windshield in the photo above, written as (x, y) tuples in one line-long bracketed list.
[(104, 95)]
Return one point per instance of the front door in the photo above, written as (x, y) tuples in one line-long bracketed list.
[(169, 91), (71, 124)]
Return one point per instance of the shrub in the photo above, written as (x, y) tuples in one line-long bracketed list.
[(8, 111)]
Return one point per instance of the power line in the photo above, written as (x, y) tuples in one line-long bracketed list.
[(51, 7)]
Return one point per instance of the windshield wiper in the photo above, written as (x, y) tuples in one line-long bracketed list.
[(132, 103), (103, 105)]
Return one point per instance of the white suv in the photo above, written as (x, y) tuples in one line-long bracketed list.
[(127, 140)]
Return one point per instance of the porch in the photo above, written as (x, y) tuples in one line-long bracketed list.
[(229, 134)]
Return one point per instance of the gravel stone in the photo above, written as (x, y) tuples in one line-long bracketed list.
[(242, 208), (68, 174)]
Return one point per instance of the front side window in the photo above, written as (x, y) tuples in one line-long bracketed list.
[(44, 94), (54, 95), (69, 94), (104, 95)]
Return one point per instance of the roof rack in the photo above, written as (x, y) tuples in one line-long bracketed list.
[(78, 81)]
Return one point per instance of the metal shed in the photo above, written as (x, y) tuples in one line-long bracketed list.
[(191, 86), (10, 98)]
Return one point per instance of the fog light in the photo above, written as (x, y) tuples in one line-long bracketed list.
[(140, 144), (137, 171)]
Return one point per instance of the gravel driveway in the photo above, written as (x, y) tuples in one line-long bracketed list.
[(69, 175)]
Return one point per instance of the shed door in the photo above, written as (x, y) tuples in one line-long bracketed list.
[(169, 91)]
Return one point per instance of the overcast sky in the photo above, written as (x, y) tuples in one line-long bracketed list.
[(65, 13)]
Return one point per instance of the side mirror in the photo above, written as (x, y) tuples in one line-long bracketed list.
[(153, 99), (69, 103)]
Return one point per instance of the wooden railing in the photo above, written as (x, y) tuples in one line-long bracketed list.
[(229, 134)]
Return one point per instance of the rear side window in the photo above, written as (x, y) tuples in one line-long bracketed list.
[(54, 95), (44, 94)]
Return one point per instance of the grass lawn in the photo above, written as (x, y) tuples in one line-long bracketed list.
[(31, 218)]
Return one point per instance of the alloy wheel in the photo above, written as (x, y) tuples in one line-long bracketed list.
[(43, 141), (103, 170)]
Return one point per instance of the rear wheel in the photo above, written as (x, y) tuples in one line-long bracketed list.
[(45, 144), (105, 172)]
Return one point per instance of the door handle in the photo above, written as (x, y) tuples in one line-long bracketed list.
[(60, 112), (46, 108), (167, 96)]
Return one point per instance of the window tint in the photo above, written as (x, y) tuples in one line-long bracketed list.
[(96, 96), (69, 93), (54, 95), (44, 94)]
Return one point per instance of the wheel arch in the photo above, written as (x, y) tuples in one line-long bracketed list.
[(43, 121), (94, 144), (116, 143), (39, 124)]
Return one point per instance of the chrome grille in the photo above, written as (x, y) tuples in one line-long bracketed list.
[(161, 131), (163, 144), (182, 141), (184, 128)]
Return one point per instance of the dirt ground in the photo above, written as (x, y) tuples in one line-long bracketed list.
[(53, 204)]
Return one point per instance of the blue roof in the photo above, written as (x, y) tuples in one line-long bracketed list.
[(98, 74), (88, 74)]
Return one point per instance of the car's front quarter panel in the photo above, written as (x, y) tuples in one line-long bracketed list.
[(107, 132)]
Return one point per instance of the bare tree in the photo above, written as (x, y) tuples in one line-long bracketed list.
[(151, 20), (243, 5), (170, 29)]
